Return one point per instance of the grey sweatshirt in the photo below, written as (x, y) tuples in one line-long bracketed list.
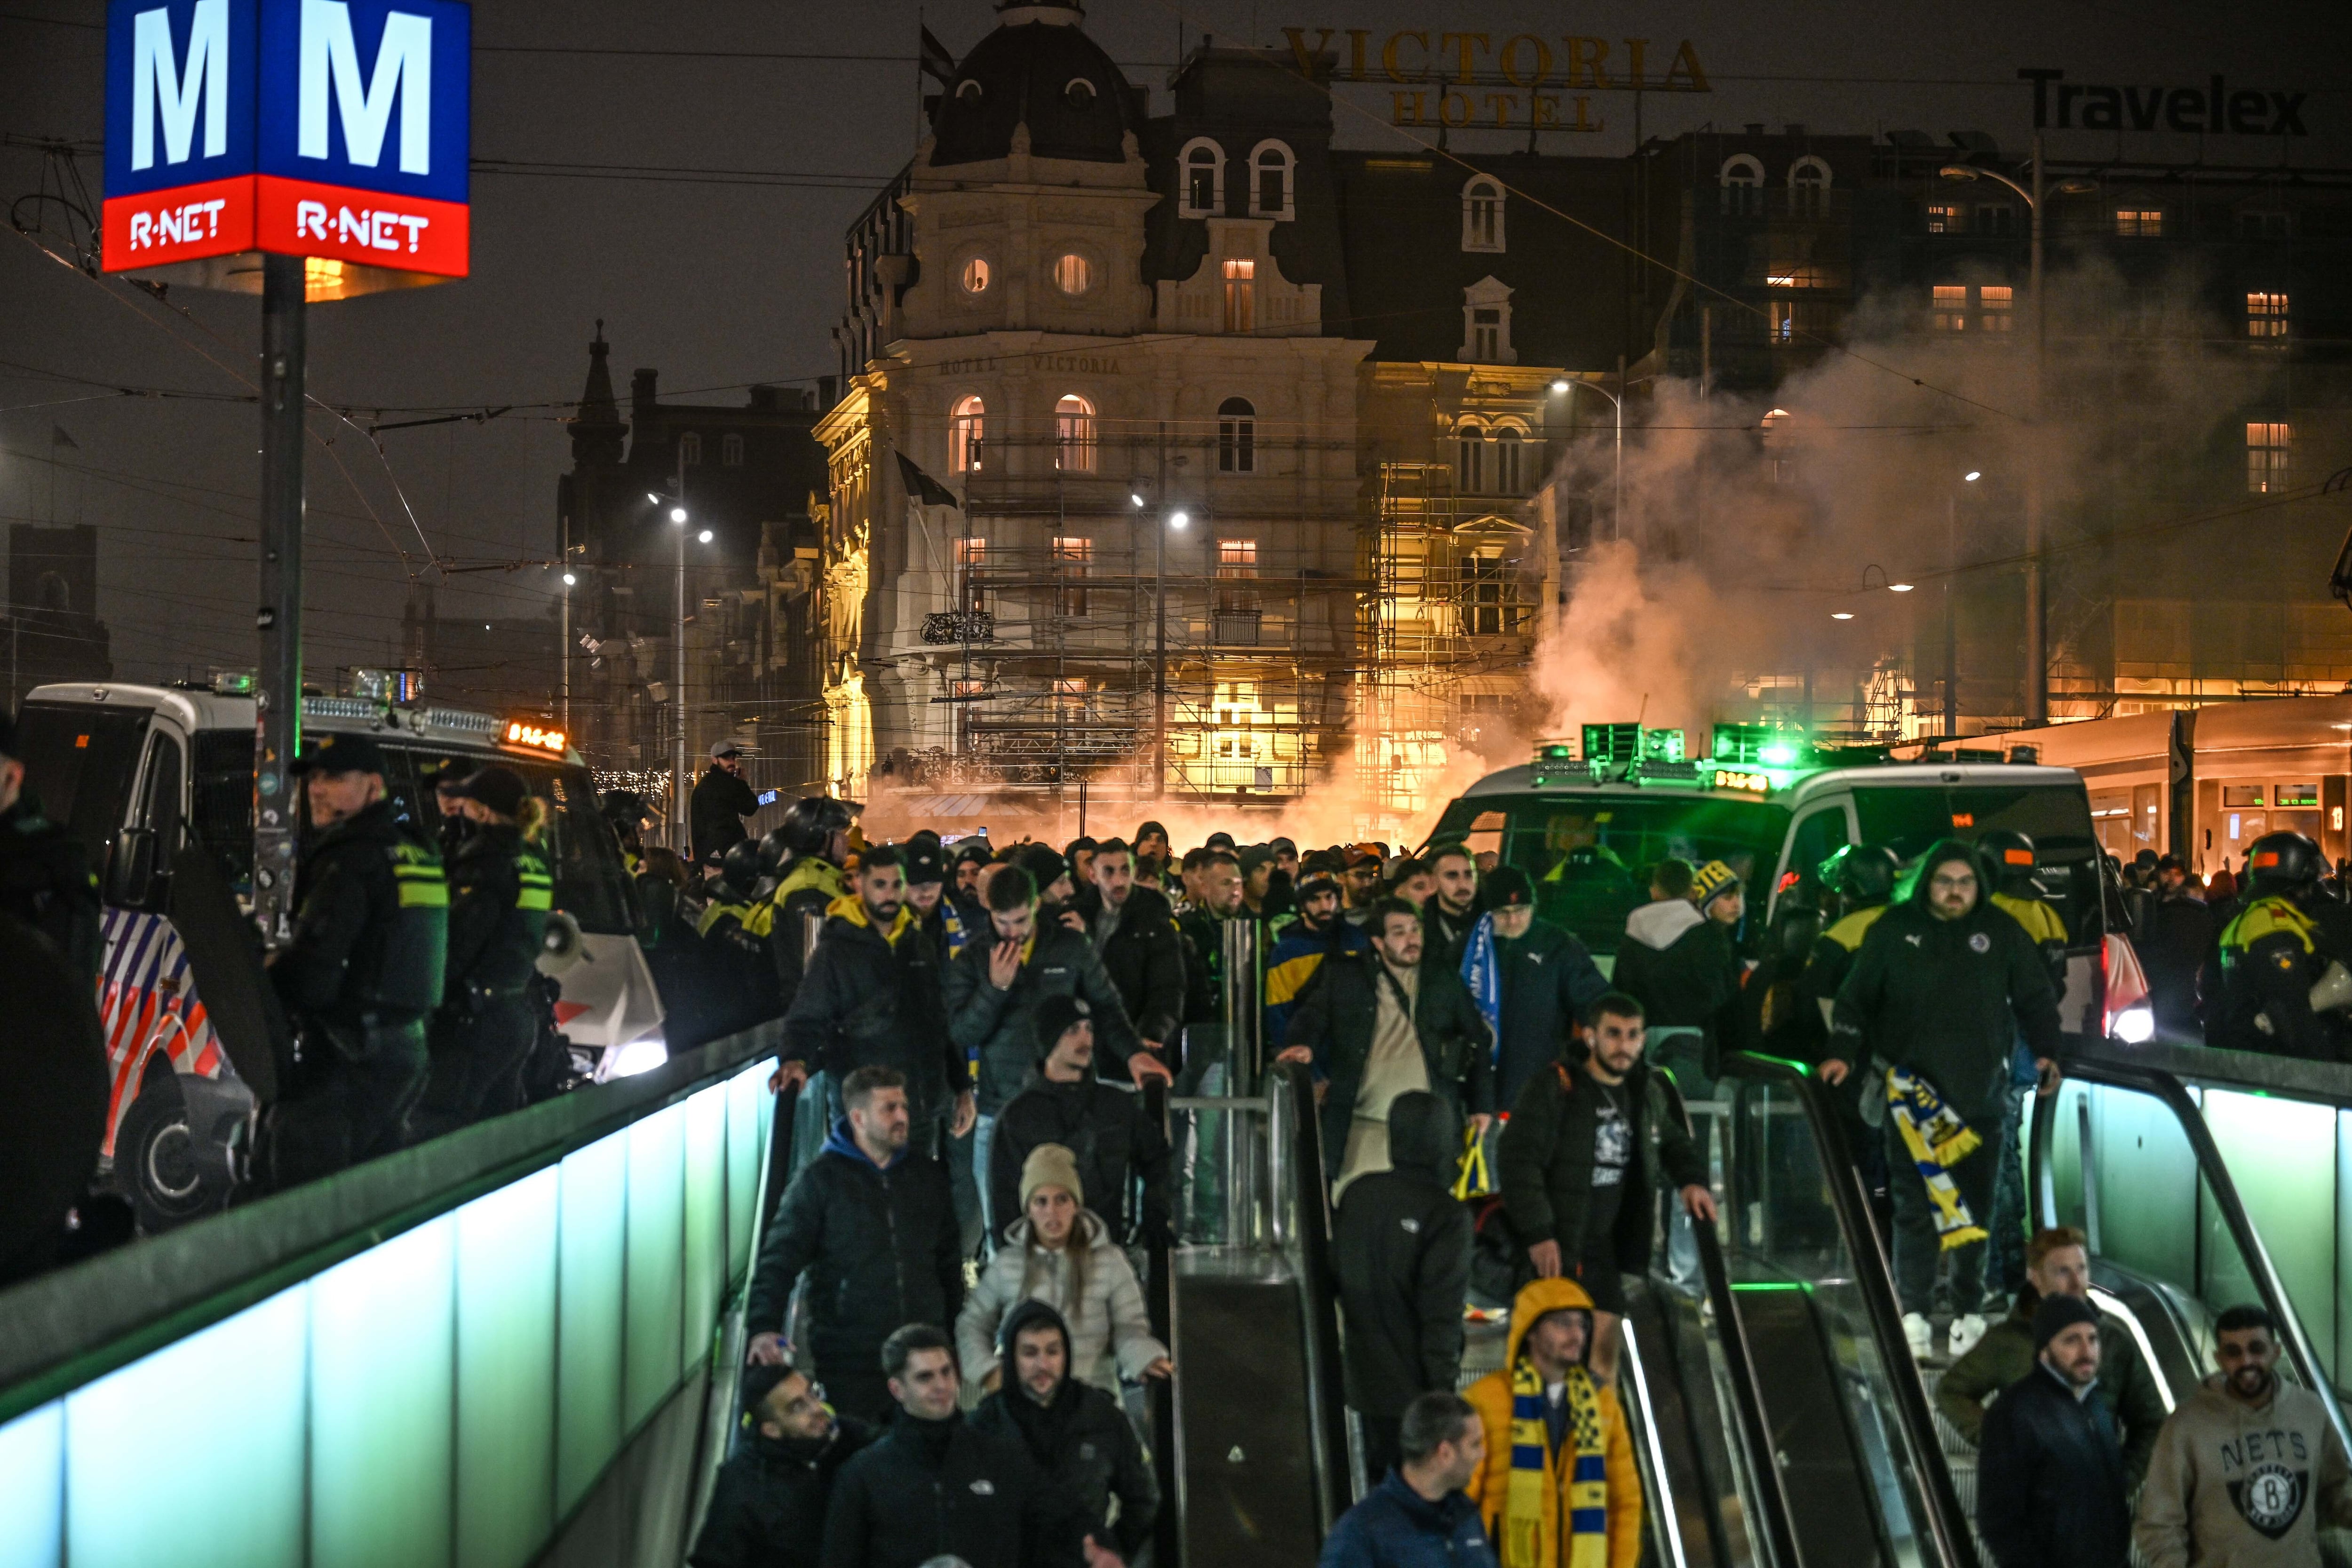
[(2235, 1487)]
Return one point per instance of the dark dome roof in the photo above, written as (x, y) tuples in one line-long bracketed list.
[(1048, 75)]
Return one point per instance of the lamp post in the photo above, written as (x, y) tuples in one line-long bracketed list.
[(1617, 502), (678, 777), (2037, 631)]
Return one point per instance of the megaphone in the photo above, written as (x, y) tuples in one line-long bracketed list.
[(562, 947)]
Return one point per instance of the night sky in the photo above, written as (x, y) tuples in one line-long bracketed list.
[(723, 278)]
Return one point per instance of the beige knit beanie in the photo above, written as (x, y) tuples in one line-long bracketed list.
[(1051, 1165)]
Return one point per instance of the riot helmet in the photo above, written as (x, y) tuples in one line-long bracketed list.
[(809, 827), (1864, 876), (2282, 863), (2011, 856), (739, 869)]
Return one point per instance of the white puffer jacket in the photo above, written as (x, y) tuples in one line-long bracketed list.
[(1110, 1332)]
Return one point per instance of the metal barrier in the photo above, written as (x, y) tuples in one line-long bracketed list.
[(434, 1358)]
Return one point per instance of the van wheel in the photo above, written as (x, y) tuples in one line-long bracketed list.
[(156, 1161)]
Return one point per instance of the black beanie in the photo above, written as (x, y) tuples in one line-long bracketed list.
[(2058, 1313), (1054, 1017)]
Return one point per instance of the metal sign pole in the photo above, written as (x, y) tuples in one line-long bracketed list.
[(278, 687)]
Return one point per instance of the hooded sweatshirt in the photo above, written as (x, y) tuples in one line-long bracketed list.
[(1491, 1397), (1401, 1249), (1946, 998), (2235, 1486), (1680, 966)]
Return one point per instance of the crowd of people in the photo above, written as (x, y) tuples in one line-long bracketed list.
[(949, 1300)]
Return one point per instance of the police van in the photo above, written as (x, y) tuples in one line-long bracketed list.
[(142, 774), (1587, 827)]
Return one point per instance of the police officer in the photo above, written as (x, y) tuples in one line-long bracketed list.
[(807, 853), (2283, 958), (626, 810), (499, 895), (45, 876), (361, 971), (1863, 876), (2019, 888), (734, 932)]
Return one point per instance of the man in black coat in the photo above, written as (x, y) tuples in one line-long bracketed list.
[(1134, 932), (721, 802), (1102, 1126), (874, 1228), (2175, 936), (2050, 1473), (1579, 1178), (1941, 987), (935, 1486), (53, 1119), (768, 1504), (1454, 906), (1401, 1249), (1083, 1443), (874, 996), (1379, 1025), (45, 876), (1679, 962), (1547, 979)]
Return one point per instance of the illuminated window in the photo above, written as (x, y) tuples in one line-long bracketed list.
[(1951, 312), (2266, 315), (730, 450), (1270, 169), (1809, 188), (1236, 436), (1073, 274), (1470, 460), (1482, 213), (1993, 301), (1241, 303), (1070, 694), (1743, 186), (967, 686), (975, 276), (1946, 217), (1074, 435), (1780, 320), (1237, 558), (1508, 446), (2140, 223), (964, 426), (1487, 610), (1073, 559), (971, 559), (2268, 445), (1204, 179), (971, 552), (690, 448)]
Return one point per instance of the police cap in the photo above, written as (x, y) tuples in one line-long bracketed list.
[(329, 752)]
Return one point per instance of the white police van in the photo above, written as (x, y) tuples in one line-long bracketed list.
[(140, 773)]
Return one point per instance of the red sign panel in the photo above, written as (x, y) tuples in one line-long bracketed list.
[(185, 223), (372, 228)]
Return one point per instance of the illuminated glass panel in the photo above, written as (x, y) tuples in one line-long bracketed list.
[(383, 1354), (136, 1495), (706, 1220), (656, 1298), (506, 1371), (588, 1371), (32, 1488), (749, 1106), (2280, 1154)]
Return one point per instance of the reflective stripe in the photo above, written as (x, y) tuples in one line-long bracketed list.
[(538, 890), (417, 873)]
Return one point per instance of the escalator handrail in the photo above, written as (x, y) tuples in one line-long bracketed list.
[(2169, 1089), (1956, 1543), (1319, 1287), (1160, 1305), (1747, 1396)]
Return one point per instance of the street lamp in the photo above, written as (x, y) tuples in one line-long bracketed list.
[(2037, 653), (1562, 387), (1951, 609)]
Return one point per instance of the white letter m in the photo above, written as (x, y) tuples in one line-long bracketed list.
[(155, 76), (403, 66)]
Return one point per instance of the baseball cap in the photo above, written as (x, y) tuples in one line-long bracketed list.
[(500, 789), (336, 753), (1507, 886), (725, 749), (924, 862)]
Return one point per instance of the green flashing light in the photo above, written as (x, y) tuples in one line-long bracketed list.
[(1748, 1285), (1778, 754)]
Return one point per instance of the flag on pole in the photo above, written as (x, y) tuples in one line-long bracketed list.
[(937, 64), (922, 488)]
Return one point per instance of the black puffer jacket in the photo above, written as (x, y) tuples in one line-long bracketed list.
[(999, 1023), (1145, 959), (940, 1489), (1338, 1015), (1400, 1250), (1114, 1141), (1684, 971), (1945, 998), (716, 811), (370, 926), (1085, 1448), (1545, 1160), (869, 1001), (881, 1248), (767, 1506), (2050, 1479), (1548, 979)]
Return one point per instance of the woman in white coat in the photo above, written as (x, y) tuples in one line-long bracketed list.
[(1061, 1253)]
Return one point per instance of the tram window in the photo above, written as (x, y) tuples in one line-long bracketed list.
[(2242, 795), (2296, 795)]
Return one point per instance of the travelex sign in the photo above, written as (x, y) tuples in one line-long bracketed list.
[(333, 128)]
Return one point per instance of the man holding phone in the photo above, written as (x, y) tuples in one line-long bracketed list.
[(722, 801)]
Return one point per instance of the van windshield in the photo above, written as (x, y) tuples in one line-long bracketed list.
[(1589, 855), (2057, 817), (79, 762)]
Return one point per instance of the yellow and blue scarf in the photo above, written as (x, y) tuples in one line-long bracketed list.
[(1524, 1497), (1937, 1139)]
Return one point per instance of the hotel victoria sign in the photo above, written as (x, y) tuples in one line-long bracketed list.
[(1521, 80)]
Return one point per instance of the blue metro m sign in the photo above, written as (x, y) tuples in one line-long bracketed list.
[(331, 129)]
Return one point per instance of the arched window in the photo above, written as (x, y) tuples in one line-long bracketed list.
[(1743, 186), (1074, 435), (690, 448), (964, 426), (975, 276), (1204, 169), (1236, 436), (1509, 448), (730, 450), (1270, 170), (1073, 274), (1809, 188), (1487, 324), (1470, 464), (1482, 213)]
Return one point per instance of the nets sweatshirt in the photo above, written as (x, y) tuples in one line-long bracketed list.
[(2233, 1486)]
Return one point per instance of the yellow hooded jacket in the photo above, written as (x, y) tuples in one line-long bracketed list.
[(1491, 1396)]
